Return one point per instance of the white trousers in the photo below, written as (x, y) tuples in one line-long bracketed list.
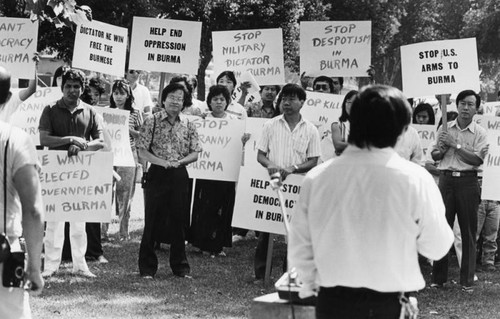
[(54, 241), (14, 302)]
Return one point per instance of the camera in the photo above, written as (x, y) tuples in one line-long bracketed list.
[(4, 248), (13, 270)]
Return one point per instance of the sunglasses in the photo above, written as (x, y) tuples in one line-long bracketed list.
[(323, 87)]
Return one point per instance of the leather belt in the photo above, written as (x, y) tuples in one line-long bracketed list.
[(458, 173)]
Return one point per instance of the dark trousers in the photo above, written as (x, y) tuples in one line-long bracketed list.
[(356, 303), (94, 245), (261, 255), (461, 196), (166, 201)]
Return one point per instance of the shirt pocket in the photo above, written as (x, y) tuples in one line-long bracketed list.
[(300, 144)]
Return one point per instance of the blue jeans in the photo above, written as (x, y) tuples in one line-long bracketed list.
[(488, 218)]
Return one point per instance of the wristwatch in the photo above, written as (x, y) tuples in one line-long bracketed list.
[(295, 168), (459, 146)]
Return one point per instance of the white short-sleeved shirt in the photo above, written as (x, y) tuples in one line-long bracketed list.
[(237, 109), (21, 152), (142, 98), (8, 109), (286, 148), (409, 146)]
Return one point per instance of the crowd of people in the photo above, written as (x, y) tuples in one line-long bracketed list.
[(164, 142)]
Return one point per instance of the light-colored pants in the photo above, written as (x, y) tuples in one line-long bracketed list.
[(14, 302), (125, 189), (54, 240)]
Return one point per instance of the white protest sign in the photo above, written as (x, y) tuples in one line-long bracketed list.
[(259, 52), (254, 127), (28, 113), (18, 41), (491, 108), (164, 45), (77, 188), (221, 143), (256, 204), (115, 122), (322, 110), (439, 67), (335, 48), (488, 122), (100, 47), (428, 135), (491, 168)]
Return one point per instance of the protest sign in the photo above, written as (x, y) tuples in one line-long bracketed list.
[(18, 42), (322, 110), (428, 135), (28, 113), (491, 108), (100, 47), (256, 204), (115, 122), (439, 67), (164, 45), (488, 122), (254, 127), (335, 48), (491, 168), (221, 143), (259, 52), (76, 188)]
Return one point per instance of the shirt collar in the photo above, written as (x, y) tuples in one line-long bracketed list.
[(282, 118), (163, 116), (471, 127), (60, 104)]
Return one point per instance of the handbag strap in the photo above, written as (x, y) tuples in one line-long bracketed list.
[(5, 187), (152, 135)]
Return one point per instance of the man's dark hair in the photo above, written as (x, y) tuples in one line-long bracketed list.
[(341, 80), (326, 79), (292, 89), (424, 107), (345, 116), (230, 75), (276, 87), (379, 114), (59, 73), (172, 87), (217, 90), (4, 85), (73, 75), (465, 93)]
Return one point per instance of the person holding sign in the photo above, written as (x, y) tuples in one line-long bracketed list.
[(22, 214), (169, 143), (357, 242), (122, 98), (289, 145), (460, 149), (326, 84), (214, 200), (228, 79), (340, 129), (69, 124), (265, 108)]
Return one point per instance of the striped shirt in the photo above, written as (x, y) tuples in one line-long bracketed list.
[(134, 123), (286, 148)]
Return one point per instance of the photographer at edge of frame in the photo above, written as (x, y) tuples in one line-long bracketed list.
[(23, 213)]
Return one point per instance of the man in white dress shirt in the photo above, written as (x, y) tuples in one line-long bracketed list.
[(362, 217)]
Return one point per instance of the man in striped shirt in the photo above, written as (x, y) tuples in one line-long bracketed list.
[(289, 145)]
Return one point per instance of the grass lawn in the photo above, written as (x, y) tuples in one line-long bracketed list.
[(220, 287)]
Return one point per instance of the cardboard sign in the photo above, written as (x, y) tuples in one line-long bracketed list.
[(18, 41), (439, 67), (428, 136), (164, 45), (322, 110), (100, 47), (115, 122), (491, 168), (491, 108), (257, 205), (259, 52), (221, 143), (28, 113), (488, 122), (254, 127), (76, 188), (335, 48)]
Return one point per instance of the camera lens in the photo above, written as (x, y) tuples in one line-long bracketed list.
[(19, 272)]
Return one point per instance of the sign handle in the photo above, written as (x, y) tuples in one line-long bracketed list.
[(269, 259), (444, 115)]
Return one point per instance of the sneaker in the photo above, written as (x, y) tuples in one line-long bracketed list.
[(475, 278), (436, 286), (147, 277), (237, 238), (468, 289), (102, 260), (85, 273)]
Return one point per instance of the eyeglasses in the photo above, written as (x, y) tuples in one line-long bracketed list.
[(321, 87), (175, 99)]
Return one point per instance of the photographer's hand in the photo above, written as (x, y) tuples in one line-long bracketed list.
[(35, 279)]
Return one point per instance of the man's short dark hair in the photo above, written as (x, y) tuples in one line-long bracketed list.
[(276, 87), (73, 75), (292, 89), (341, 80), (465, 93), (4, 86), (379, 114), (172, 87), (216, 90), (326, 79)]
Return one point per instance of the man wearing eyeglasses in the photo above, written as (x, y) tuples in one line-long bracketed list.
[(324, 84), (461, 150), (142, 96)]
